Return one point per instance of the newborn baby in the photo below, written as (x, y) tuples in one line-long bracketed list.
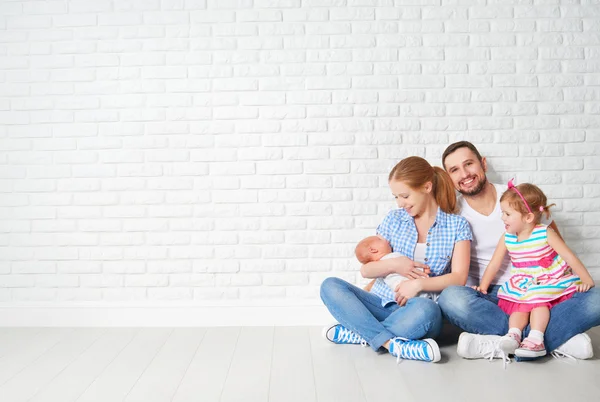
[(375, 248)]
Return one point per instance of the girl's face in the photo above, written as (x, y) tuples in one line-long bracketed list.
[(413, 201), (514, 221)]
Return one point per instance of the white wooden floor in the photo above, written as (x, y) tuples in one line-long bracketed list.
[(262, 364)]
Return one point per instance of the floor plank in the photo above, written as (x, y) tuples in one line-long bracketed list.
[(39, 373), (162, 377), (119, 377), (26, 352), (336, 378), (380, 376), (292, 374), (250, 371), (263, 364), (206, 374), (74, 380), (13, 338)]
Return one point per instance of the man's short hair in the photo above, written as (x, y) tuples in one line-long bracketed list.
[(457, 145)]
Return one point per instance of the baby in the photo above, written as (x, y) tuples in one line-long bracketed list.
[(375, 248)]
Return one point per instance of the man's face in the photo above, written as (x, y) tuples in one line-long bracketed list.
[(467, 173)]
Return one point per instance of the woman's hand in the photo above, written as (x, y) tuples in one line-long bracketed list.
[(410, 269), (480, 289), (585, 286), (406, 290)]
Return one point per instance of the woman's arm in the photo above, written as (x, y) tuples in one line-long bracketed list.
[(459, 271), (559, 245), (457, 276), (400, 265)]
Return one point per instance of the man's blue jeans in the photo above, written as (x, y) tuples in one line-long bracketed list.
[(362, 313), (477, 313)]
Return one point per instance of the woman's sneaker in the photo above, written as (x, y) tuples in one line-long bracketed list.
[(530, 348), (425, 349), (339, 334), (509, 343)]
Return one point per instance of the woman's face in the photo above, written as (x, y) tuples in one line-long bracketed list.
[(413, 201)]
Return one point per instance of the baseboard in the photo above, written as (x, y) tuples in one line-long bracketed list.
[(160, 315)]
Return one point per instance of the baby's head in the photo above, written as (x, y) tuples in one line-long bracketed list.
[(372, 248)]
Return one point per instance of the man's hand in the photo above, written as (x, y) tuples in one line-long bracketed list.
[(410, 269), (406, 290)]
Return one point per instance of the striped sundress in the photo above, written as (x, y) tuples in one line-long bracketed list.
[(538, 273)]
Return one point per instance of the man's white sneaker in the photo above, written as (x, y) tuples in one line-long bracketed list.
[(474, 346), (579, 347)]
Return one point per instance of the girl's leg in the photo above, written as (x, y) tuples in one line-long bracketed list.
[(533, 345), (518, 320), (511, 341), (539, 319), (362, 313)]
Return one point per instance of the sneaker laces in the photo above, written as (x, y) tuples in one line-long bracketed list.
[(410, 349), (491, 349), (344, 335), (563, 357)]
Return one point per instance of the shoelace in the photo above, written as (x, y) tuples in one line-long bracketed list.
[(414, 349), (564, 357), (490, 349), (347, 336)]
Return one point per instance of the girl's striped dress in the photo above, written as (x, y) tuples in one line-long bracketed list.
[(538, 273)]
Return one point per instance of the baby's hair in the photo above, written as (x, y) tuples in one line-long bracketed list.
[(535, 197)]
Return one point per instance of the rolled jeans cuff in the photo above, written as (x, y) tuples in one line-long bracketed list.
[(380, 339)]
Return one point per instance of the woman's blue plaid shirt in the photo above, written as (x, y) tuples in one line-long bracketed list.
[(399, 229)]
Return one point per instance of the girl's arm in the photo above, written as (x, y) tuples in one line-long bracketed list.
[(559, 245), (555, 228), (459, 271), (492, 269)]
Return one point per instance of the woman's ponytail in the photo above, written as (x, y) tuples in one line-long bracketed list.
[(443, 190)]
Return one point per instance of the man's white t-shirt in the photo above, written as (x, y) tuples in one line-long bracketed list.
[(487, 231)]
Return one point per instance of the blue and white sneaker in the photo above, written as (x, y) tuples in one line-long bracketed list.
[(341, 335), (425, 349)]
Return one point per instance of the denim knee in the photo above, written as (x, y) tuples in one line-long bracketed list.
[(592, 303), (423, 319), (330, 287), (454, 300)]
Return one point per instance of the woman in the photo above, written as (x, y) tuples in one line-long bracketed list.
[(424, 228)]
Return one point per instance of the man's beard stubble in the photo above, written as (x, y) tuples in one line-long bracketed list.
[(477, 189)]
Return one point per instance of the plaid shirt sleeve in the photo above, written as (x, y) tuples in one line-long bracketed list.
[(463, 231), (387, 226)]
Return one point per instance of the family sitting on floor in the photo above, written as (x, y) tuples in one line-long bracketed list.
[(491, 261)]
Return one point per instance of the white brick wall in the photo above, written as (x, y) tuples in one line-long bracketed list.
[(233, 151)]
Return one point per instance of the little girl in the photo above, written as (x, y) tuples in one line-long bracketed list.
[(541, 273)]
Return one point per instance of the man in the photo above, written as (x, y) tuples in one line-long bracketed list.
[(479, 314)]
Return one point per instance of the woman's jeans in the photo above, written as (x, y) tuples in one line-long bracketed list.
[(362, 313), (477, 313)]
